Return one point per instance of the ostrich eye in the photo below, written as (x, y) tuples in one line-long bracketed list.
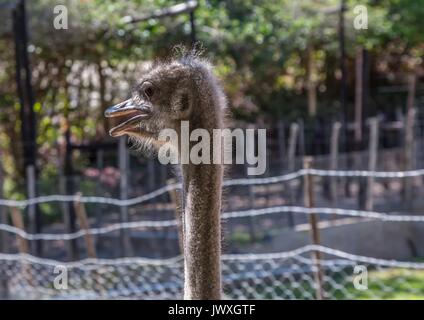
[(147, 89), (149, 92)]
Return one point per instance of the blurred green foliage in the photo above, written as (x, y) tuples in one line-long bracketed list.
[(258, 47)]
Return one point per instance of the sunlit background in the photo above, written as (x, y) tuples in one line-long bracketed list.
[(352, 98)]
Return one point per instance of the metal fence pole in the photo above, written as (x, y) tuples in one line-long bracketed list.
[(309, 202), (291, 165), (372, 162)]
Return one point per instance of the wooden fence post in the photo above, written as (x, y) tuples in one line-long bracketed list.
[(18, 222), (81, 214), (23, 246), (83, 221), (372, 162), (412, 87), (309, 202), (409, 155)]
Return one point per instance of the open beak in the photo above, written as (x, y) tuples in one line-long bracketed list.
[(131, 115)]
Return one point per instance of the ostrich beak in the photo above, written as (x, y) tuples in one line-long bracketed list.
[(131, 115), (123, 108)]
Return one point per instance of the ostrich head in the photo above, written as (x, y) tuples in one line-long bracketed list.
[(179, 90), (168, 93)]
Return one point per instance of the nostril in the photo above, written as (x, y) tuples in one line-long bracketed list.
[(146, 109)]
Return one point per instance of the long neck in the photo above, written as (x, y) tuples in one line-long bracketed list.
[(202, 208), (202, 231)]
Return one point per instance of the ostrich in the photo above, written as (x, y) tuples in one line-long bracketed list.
[(184, 89)]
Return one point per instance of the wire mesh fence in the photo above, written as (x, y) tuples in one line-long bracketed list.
[(286, 275), (296, 274)]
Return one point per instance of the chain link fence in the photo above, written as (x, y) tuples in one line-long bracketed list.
[(287, 275), (309, 272)]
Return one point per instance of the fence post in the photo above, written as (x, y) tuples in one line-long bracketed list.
[(334, 162), (69, 189), (294, 132), (372, 162), (23, 246), (123, 189), (311, 82), (409, 151), (302, 153), (3, 216), (412, 87), (281, 140), (81, 214), (309, 202), (83, 221), (99, 164), (176, 201), (18, 222), (3, 239), (33, 215), (409, 139), (291, 165), (302, 142)]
